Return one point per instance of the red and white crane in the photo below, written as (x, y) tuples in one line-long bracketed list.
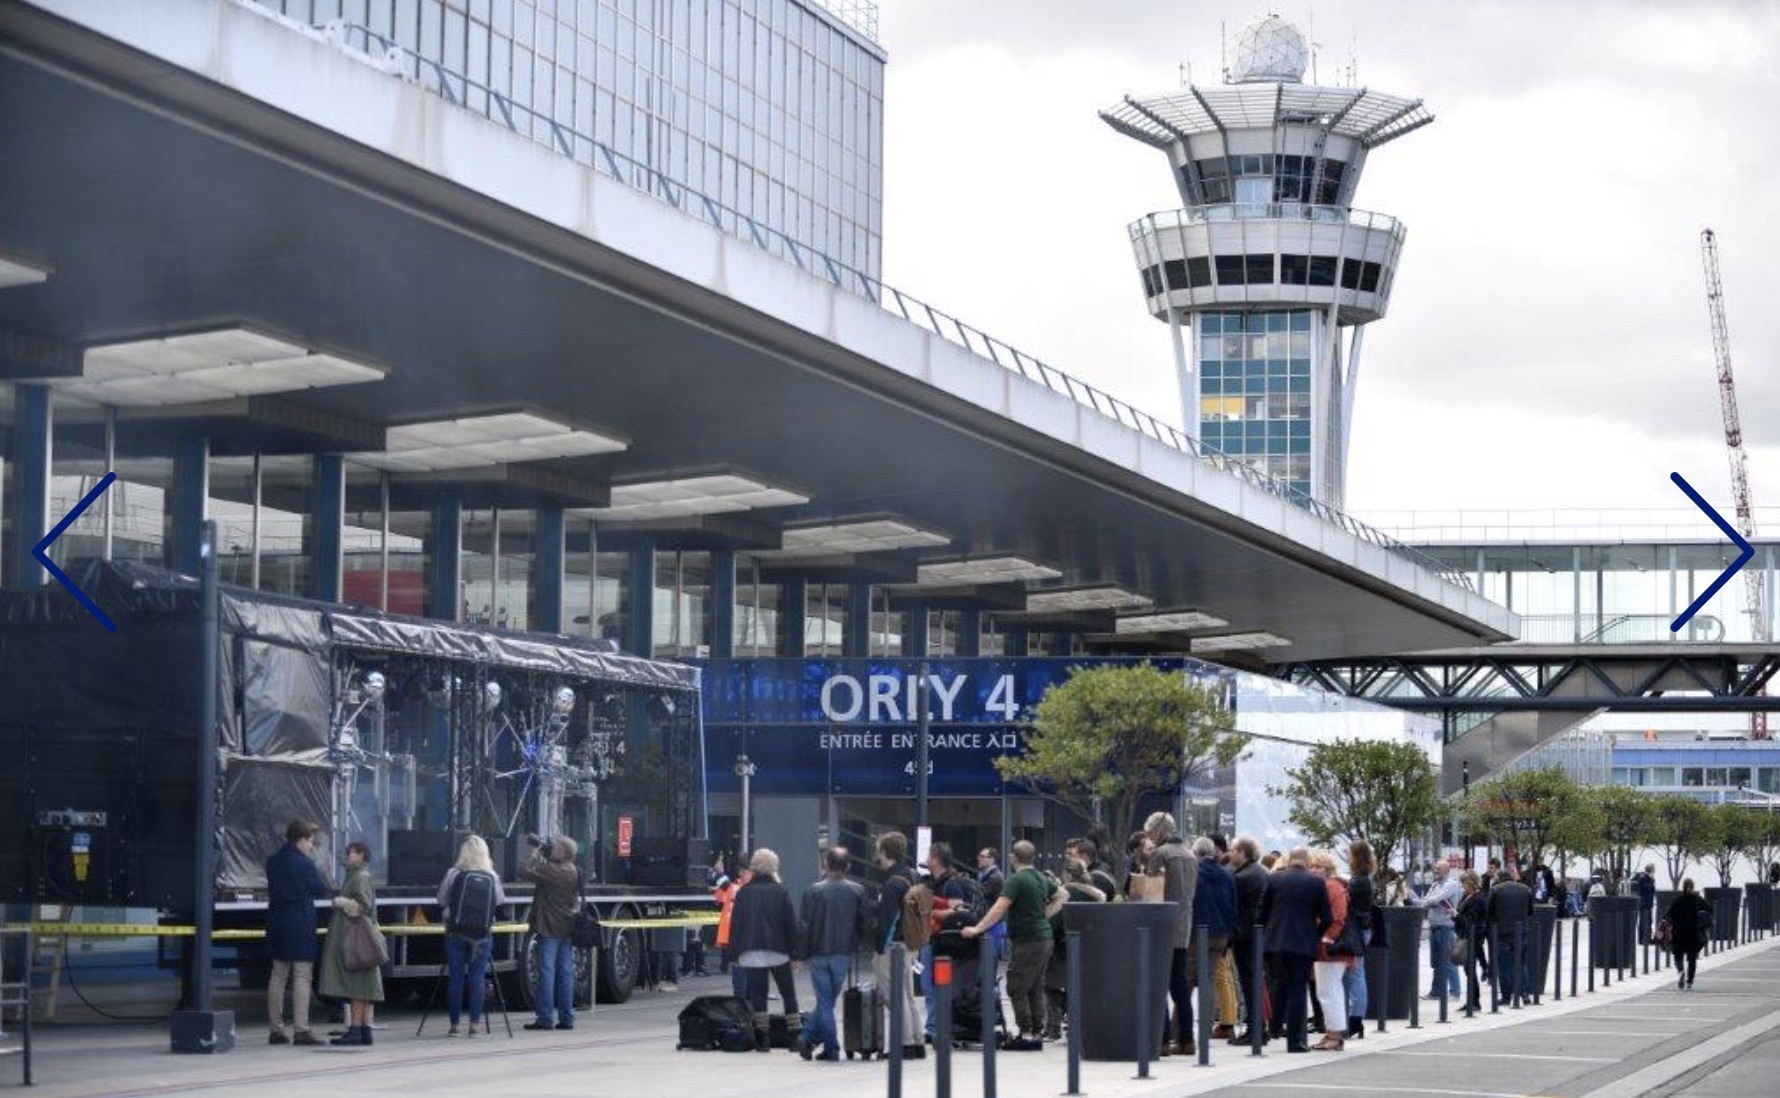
[(1753, 579)]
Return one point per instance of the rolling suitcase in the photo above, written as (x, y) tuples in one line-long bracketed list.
[(862, 1022)]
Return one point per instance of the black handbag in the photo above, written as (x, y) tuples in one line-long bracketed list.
[(1349, 944)]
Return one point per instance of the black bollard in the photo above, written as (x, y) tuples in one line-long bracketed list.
[(1257, 1014), (1594, 951), (1622, 930), (1145, 1031), (1072, 1000), (942, 1027), (1207, 998), (1383, 1001), (1470, 971), (1415, 1003), (991, 1009), (1521, 968), (899, 966), (1495, 970), (1557, 984), (1575, 953)]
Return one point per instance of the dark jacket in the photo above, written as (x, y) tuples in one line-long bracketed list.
[(1295, 910), (834, 918), (991, 879), (1214, 900), (1251, 881), (293, 884), (1685, 916), (762, 919), (1644, 885), (897, 880), (1510, 902), (557, 896), (1361, 897), (1179, 871)]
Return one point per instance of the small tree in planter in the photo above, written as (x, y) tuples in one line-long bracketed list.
[(1382, 791), (1732, 826), (1685, 829), (1628, 822), (1103, 740), (1521, 808), (1762, 843)]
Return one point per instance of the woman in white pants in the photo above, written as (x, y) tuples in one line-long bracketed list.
[(1330, 968)]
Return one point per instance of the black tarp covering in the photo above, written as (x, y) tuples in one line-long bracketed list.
[(65, 679), (260, 797), (286, 698)]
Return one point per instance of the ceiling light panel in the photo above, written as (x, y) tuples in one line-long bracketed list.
[(205, 366), (1179, 621), (984, 570), (1236, 642), (853, 538), (1086, 598), (13, 272), (473, 442), (686, 497)]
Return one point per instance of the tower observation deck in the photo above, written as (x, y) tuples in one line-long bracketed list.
[(1269, 269)]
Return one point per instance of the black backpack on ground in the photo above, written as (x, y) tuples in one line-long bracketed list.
[(717, 1022), (472, 905)]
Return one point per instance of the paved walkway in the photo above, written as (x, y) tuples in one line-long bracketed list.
[(1640, 1037)]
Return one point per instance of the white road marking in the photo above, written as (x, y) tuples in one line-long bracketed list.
[(1461, 1054)]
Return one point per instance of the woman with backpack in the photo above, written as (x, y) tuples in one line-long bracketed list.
[(469, 896)]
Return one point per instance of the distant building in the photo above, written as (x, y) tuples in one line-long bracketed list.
[(1268, 266)]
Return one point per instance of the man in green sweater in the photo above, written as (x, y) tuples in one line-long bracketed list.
[(1028, 900)]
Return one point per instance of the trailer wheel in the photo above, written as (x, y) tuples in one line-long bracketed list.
[(620, 960), (520, 985)]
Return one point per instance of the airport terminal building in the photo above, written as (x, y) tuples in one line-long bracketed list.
[(566, 319)]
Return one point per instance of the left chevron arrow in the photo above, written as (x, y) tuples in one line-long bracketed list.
[(41, 552)]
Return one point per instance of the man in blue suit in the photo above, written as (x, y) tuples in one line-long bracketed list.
[(1295, 912), (293, 884)]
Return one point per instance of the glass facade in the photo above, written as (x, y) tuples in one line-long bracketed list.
[(1255, 386), (769, 107), (1260, 180)]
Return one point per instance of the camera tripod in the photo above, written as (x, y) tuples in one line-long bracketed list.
[(500, 994)]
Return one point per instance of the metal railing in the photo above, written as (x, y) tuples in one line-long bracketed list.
[(1563, 525), (1272, 211), (461, 91)]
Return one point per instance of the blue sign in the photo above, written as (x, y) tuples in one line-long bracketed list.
[(850, 726)]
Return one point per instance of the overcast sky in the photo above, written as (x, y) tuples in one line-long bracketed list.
[(1547, 343)]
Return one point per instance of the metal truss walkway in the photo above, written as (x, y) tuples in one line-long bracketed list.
[(1498, 703)]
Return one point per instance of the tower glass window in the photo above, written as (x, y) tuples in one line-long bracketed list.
[(1254, 390)]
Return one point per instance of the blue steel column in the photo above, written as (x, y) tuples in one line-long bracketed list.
[(1016, 641), (29, 502), (794, 617), (328, 570), (914, 631), (548, 560), (970, 633), (722, 604), (639, 623), (856, 637), (445, 600), (185, 502)]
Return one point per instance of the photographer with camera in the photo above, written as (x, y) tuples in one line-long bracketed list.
[(552, 869)]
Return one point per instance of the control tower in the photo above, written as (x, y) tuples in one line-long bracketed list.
[(1268, 266)]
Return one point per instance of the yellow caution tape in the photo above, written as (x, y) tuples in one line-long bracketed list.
[(662, 922), (147, 930)]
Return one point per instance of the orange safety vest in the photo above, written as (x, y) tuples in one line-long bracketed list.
[(726, 900)]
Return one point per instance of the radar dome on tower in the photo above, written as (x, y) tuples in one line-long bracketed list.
[(1270, 51)]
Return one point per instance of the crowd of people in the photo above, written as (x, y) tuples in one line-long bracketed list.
[(1315, 923)]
